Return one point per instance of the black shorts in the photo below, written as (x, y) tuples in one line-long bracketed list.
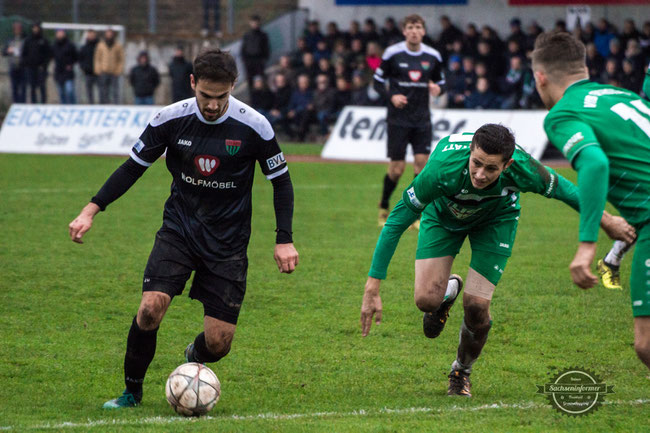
[(400, 136), (219, 285)]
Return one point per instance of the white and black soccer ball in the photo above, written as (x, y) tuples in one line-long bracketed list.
[(192, 389)]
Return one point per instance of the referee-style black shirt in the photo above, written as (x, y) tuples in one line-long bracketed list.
[(408, 74), (212, 164)]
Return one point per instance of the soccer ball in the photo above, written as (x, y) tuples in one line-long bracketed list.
[(192, 389)]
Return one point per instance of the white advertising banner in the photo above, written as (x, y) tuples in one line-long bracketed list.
[(74, 129), (360, 132)]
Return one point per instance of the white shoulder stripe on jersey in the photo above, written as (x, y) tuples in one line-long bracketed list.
[(250, 117), (174, 111), (139, 160), (378, 78), (394, 49), (430, 50), (277, 173)]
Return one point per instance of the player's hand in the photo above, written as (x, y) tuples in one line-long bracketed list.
[(399, 101), (434, 89), (80, 225), (371, 305), (581, 266), (617, 228), (286, 257)]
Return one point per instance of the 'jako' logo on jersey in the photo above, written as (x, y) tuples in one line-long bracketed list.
[(184, 142), (415, 75), (206, 164)]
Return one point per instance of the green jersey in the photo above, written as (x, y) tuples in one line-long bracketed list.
[(444, 188), (646, 83), (618, 122)]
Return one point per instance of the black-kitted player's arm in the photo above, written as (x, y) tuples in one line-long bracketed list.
[(285, 253), (117, 184)]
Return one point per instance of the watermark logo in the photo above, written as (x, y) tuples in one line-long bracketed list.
[(575, 391)]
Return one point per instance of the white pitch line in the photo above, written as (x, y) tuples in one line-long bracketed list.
[(158, 420)]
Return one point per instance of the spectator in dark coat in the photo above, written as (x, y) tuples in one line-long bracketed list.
[(455, 83), (296, 55), (369, 32), (448, 35), (629, 32), (343, 95), (332, 34), (255, 50), (299, 106), (630, 78), (612, 74), (595, 62), (309, 67), (354, 32), (483, 97), (179, 73), (516, 33), (313, 35), (470, 40), (390, 33), (322, 51), (65, 56), (533, 30), (35, 56), (261, 96), (12, 50), (323, 104), (144, 78), (512, 85), (87, 64), (281, 98)]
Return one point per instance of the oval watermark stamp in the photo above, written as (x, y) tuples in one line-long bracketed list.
[(575, 391)]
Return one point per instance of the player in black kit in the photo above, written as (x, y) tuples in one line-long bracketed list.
[(213, 142), (413, 70)]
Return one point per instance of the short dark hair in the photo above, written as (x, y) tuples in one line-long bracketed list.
[(559, 52), (215, 65), (494, 139), (413, 19)]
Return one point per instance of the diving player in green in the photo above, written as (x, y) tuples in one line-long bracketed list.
[(604, 131), (469, 188)]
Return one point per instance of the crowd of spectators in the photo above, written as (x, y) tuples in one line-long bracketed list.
[(332, 68), (101, 61)]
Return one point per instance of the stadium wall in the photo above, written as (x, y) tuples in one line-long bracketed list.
[(496, 13)]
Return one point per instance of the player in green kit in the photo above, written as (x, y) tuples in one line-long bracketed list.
[(646, 83), (604, 131), (469, 188)]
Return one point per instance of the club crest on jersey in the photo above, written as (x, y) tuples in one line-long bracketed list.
[(415, 75), (425, 65), (206, 164), (233, 146)]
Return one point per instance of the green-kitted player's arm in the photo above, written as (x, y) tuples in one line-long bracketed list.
[(592, 166), (398, 221), (422, 191)]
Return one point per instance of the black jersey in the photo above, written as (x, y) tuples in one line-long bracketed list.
[(408, 74), (212, 164)]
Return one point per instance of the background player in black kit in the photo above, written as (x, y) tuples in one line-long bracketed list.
[(413, 70), (213, 142)]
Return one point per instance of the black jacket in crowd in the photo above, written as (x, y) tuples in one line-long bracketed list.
[(281, 98), (65, 56), (144, 80), (87, 57), (255, 46), (36, 51), (179, 72)]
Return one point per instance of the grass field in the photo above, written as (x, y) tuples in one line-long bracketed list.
[(298, 362)]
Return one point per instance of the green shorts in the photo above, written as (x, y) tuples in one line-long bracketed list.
[(491, 243), (640, 278)]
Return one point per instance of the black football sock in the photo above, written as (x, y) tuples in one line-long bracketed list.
[(389, 187), (140, 349), (470, 345), (201, 353)]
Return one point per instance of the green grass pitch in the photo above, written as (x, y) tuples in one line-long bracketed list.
[(298, 361)]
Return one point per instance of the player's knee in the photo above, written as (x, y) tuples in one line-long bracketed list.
[(149, 316), (429, 298), (477, 313)]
